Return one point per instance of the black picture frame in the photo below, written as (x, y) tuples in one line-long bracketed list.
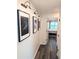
[(35, 24), (38, 24), (23, 25)]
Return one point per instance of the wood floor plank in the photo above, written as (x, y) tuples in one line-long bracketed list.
[(48, 51)]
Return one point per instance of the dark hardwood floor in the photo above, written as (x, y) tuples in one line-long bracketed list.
[(48, 51)]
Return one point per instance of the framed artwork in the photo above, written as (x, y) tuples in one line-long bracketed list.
[(35, 24), (23, 25), (38, 24)]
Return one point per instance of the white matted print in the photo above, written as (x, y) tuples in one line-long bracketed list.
[(23, 25), (35, 24)]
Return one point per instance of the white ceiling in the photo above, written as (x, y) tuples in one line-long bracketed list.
[(47, 6)]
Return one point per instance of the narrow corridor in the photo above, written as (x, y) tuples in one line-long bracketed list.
[(38, 27), (48, 51)]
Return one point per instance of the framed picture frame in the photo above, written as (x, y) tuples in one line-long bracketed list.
[(23, 25), (38, 24), (35, 24)]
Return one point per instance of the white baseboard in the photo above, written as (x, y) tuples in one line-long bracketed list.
[(36, 52)]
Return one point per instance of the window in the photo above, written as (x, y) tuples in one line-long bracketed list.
[(53, 25)]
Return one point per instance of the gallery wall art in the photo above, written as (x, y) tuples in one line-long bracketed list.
[(35, 24), (38, 24), (23, 25)]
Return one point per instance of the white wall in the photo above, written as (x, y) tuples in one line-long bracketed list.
[(43, 31), (28, 47)]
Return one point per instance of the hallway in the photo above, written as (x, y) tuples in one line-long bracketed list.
[(48, 51), (37, 22)]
